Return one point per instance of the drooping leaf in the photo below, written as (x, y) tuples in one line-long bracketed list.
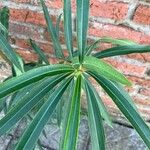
[(27, 103), (82, 26), (100, 104), (122, 50), (7, 50), (95, 120), (69, 138), (32, 76), (4, 21), (68, 26), (38, 51), (52, 31), (32, 133), (125, 107), (108, 40), (104, 69)]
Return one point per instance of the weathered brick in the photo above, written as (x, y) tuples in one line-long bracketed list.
[(142, 15), (29, 16), (26, 31), (50, 3), (100, 30), (113, 10), (145, 57), (140, 81)]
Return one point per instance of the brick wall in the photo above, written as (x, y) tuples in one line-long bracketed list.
[(116, 18)]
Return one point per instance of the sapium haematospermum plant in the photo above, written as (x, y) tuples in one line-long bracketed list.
[(28, 86)]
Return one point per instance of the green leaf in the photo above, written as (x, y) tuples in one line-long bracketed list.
[(58, 25), (126, 108), (52, 32), (28, 102), (82, 26), (69, 138), (122, 50), (3, 28), (7, 50), (95, 120), (32, 76), (38, 51), (68, 26), (15, 70), (32, 133), (108, 40), (104, 69), (100, 104), (4, 19)]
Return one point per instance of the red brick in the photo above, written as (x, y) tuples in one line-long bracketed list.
[(113, 10), (28, 16), (50, 3), (100, 30), (22, 30), (142, 15), (140, 81), (145, 57), (145, 39), (27, 55)]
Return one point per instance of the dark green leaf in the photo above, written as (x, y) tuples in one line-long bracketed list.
[(38, 51), (32, 133), (32, 76), (69, 138), (58, 25), (7, 50), (4, 21), (126, 108), (68, 26), (100, 104), (82, 26), (95, 65), (122, 50), (27, 103), (52, 32), (95, 120), (108, 40)]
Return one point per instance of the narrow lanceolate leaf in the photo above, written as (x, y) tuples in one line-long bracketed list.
[(38, 51), (32, 133), (7, 50), (122, 50), (104, 69), (3, 28), (68, 26), (27, 102), (58, 25), (82, 26), (100, 104), (52, 32), (4, 21), (108, 40), (126, 108), (69, 139), (32, 76), (15, 70), (95, 120)]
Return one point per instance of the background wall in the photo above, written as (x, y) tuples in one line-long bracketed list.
[(116, 18)]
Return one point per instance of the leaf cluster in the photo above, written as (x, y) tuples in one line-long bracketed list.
[(41, 86)]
